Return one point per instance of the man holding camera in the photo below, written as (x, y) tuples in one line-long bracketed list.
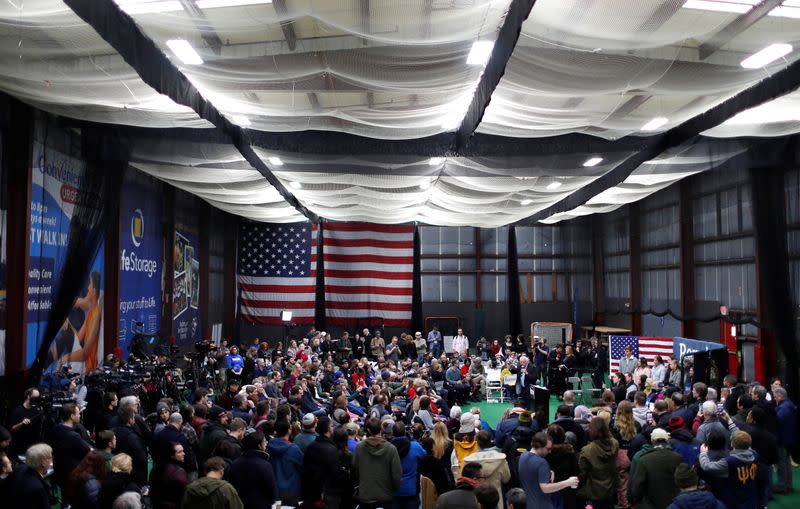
[(26, 422)]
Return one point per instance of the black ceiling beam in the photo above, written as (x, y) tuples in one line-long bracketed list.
[(780, 83), (286, 25), (736, 27), (518, 12), (119, 30)]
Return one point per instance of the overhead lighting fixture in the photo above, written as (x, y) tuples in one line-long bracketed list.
[(480, 52), (275, 161), (526, 201), (213, 4), (766, 56), (295, 185), (240, 120), (184, 51), (785, 11), (734, 6), (554, 184), (594, 161), (425, 184), (655, 124), (134, 7), (435, 161)]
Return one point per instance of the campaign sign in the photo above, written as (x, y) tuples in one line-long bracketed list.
[(186, 288), (56, 189), (140, 263)]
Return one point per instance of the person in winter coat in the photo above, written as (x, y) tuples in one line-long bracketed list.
[(464, 442), (26, 484), (463, 496), (432, 467), (211, 492), (83, 483), (787, 419), (690, 497), (736, 479), (214, 432), (252, 475), (168, 480), (69, 448), (493, 464), (119, 481), (564, 464), (287, 464), (653, 473), (320, 463), (681, 440), (598, 468), (131, 442), (410, 452), (376, 465), (624, 431)]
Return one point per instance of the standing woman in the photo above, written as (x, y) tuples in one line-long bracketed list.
[(674, 377), (83, 484), (624, 430), (443, 449), (659, 371), (597, 463), (642, 370), (359, 346)]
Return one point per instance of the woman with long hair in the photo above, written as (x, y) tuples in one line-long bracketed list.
[(443, 448), (643, 369), (564, 463), (624, 429), (83, 483), (598, 472)]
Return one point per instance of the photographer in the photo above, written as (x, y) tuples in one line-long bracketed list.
[(26, 422), (69, 447)]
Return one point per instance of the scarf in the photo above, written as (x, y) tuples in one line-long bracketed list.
[(467, 480)]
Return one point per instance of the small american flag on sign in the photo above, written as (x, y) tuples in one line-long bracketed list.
[(277, 271), (643, 346)]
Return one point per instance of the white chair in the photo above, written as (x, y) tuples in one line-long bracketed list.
[(494, 386)]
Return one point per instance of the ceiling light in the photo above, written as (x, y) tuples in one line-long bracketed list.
[(295, 185), (435, 161), (735, 6), (425, 184), (275, 161), (480, 52), (526, 201), (785, 11), (184, 51), (554, 184), (594, 161), (213, 4), (766, 56), (655, 124), (240, 120), (134, 7)]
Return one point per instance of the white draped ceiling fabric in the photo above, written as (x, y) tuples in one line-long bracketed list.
[(398, 70)]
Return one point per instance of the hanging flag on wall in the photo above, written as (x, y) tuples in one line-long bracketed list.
[(642, 346), (277, 271), (368, 273)]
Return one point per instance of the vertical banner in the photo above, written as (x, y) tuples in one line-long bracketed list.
[(186, 290), (140, 263), (56, 183)]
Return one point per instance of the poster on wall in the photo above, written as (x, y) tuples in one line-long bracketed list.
[(56, 180), (186, 288), (140, 264)]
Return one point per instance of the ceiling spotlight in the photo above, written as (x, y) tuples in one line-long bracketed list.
[(425, 184), (435, 161), (766, 56), (184, 51), (654, 124), (295, 185), (240, 120), (213, 4), (275, 161), (554, 184), (480, 52), (134, 7), (594, 161), (526, 201), (735, 6)]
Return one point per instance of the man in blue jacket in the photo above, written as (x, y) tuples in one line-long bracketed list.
[(407, 496), (252, 475), (287, 462), (690, 497), (787, 420)]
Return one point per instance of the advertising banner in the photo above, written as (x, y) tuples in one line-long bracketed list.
[(186, 289), (56, 184), (140, 263)]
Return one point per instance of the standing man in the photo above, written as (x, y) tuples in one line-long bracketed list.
[(628, 362), (787, 420), (461, 343), (535, 476), (377, 345), (212, 490), (527, 374), (541, 353), (421, 345), (435, 342), (26, 422), (376, 465), (26, 483)]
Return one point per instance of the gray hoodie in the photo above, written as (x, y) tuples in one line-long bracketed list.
[(719, 468)]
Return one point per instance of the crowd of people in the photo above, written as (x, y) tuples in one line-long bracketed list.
[(374, 423)]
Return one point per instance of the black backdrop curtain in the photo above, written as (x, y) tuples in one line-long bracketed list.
[(514, 318), (319, 305), (416, 295)]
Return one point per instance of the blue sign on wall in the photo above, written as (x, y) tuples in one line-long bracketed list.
[(140, 263), (186, 289)]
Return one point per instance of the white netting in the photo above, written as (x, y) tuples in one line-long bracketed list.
[(608, 67), (779, 117), (53, 60)]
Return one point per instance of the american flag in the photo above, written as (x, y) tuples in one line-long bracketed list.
[(643, 346), (277, 271), (368, 273)]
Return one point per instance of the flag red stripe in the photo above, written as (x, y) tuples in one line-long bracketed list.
[(368, 306), (385, 244), (368, 259), (278, 288), (283, 304), (375, 290), (276, 320), (390, 322), (368, 227), (374, 274)]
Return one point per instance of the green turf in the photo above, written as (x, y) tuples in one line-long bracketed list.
[(492, 412)]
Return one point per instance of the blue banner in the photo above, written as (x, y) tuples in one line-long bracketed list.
[(186, 289), (140, 263), (685, 346), (56, 184)]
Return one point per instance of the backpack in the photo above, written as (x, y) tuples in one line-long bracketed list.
[(463, 448)]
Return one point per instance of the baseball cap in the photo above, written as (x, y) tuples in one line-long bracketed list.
[(418, 333), (659, 435), (309, 420)]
